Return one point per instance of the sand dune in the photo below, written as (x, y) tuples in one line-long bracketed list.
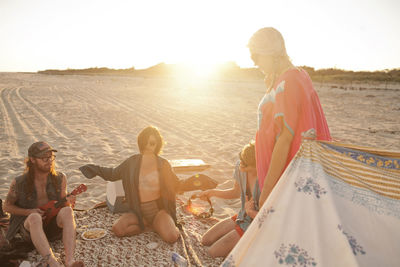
[(95, 119)]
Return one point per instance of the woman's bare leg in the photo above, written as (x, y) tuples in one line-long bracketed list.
[(164, 225), (217, 231), (224, 245), (126, 225)]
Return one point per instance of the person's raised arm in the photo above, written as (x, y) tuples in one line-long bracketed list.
[(108, 174), (278, 161), (230, 193), (11, 199)]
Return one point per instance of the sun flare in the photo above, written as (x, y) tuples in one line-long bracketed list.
[(201, 70)]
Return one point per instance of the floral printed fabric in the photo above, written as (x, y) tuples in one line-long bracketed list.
[(328, 209)]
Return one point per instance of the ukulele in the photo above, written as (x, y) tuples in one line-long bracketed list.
[(52, 207)]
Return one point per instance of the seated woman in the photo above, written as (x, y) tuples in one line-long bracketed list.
[(222, 237), (150, 185)]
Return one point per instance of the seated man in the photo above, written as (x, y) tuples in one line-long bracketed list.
[(222, 237), (38, 185)]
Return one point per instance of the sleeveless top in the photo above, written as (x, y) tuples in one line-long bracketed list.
[(30, 202), (150, 184)]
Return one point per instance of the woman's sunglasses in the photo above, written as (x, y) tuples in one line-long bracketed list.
[(152, 143)]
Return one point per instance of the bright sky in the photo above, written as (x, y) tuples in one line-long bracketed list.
[(54, 34)]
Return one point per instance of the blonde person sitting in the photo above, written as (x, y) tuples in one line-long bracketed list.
[(222, 237)]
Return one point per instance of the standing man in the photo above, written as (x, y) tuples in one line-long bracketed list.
[(39, 184)]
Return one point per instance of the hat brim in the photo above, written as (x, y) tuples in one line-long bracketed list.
[(44, 152)]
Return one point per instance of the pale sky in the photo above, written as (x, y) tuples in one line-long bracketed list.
[(53, 34)]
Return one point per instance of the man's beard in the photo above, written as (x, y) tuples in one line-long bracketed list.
[(44, 168)]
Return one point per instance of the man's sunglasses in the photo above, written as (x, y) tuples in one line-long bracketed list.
[(46, 159)]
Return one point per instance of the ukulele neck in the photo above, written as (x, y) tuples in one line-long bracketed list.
[(61, 202)]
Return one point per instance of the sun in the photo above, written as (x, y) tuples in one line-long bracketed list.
[(201, 70)]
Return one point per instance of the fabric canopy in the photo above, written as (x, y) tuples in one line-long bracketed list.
[(335, 205)]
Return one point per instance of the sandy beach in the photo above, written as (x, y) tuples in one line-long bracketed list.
[(95, 119)]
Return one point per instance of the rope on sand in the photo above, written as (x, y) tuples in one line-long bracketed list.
[(187, 246), (190, 248), (184, 246)]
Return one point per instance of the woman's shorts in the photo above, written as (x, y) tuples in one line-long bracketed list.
[(150, 209), (241, 225)]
